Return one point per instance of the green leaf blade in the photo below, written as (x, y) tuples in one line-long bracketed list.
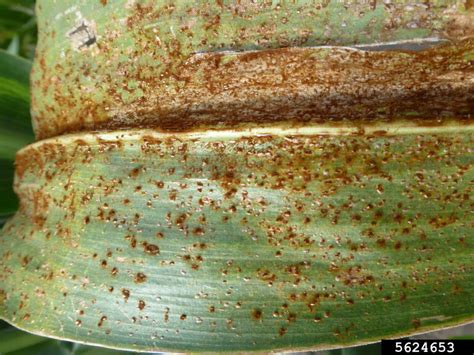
[(15, 340), (149, 241), (15, 122)]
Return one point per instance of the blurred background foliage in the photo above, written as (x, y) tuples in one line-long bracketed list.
[(18, 27), (18, 36)]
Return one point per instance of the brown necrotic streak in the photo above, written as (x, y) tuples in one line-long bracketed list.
[(292, 86)]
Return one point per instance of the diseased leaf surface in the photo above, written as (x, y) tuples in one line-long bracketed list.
[(236, 240), (150, 241), (182, 66)]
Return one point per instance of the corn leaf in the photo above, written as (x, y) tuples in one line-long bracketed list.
[(238, 176), (209, 242)]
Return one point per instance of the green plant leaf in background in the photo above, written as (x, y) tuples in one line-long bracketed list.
[(18, 27), (14, 340), (15, 122), (17, 342)]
